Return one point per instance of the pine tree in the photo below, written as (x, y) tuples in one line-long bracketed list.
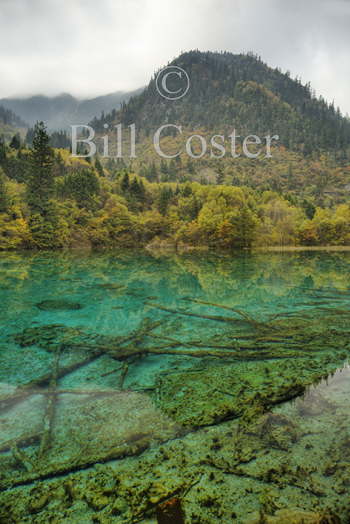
[(163, 166), (2, 151), (4, 200), (125, 183), (220, 177), (142, 195), (309, 209), (165, 196), (98, 166), (82, 185), (29, 136), (135, 188), (190, 166), (15, 142), (40, 188)]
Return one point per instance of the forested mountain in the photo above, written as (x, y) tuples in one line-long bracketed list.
[(9, 118), (300, 196), (241, 91), (10, 124), (59, 112)]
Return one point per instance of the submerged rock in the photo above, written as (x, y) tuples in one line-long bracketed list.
[(210, 395), (58, 305), (294, 516), (170, 512)]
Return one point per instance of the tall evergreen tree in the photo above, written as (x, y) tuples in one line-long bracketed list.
[(98, 166), (2, 151), (165, 197), (4, 201), (137, 190), (125, 183), (220, 177), (40, 188), (15, 142), (82, 185)]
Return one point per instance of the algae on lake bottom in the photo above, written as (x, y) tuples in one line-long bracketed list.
[(110, 410)]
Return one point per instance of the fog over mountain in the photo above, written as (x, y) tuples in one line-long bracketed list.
[(59, 112), (90, 49)]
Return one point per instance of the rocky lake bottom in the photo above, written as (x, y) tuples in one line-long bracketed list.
[(160, 387)]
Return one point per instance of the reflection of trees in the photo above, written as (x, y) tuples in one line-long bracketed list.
[(240, 278)]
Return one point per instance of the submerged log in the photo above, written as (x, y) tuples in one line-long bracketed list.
[(47, 471), (50, 408), (20, 442), (29, 388), (22, 458), (125, 369), (216, 318), (245, 316), (94, 351)]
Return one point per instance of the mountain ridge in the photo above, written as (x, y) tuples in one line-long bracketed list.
[(59, 112), (242, 91)]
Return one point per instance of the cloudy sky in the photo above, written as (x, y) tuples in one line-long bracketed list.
[(92, 47)]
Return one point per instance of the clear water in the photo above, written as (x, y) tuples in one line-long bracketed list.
[(74, 392)]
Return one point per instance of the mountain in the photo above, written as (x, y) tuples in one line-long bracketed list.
[(239, 90), (59, 112), (298, 196), (10, 123)]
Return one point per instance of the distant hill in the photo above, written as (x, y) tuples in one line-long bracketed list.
[(241, 91), (8, 117), (61, 111), (10, 123)]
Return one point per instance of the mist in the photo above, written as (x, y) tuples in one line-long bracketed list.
[(88, 48)]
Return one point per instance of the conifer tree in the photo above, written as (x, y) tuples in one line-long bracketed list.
[(165, 197), (40, 187), (135, 188), (4, 201), (98, 166), (15, 142), (220, 178), (2, 151), (125, 183)]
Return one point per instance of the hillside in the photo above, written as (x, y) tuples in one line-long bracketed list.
[(230, 91), (300, 196), (59, 112), (241, 91), (49, 199), (10, 123)]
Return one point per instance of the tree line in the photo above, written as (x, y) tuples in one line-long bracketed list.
[(50, 200)]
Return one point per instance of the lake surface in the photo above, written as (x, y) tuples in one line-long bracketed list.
[(218, 383)]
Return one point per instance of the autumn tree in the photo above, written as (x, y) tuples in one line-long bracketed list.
[(245, 223)]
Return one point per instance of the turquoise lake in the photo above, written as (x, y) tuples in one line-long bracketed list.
[(218, 383)]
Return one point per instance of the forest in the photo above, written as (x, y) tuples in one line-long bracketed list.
[(48, 199)]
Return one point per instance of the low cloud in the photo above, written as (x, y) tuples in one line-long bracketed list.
[(90, 47)]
